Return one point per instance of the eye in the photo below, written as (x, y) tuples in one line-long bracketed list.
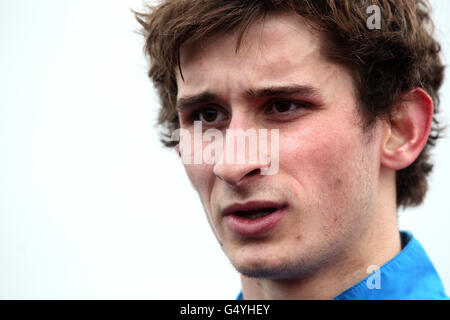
[(208, 115), (283, 106)]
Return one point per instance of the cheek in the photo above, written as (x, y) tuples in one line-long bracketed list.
[(319, 157), (326, 165), (200, 178)]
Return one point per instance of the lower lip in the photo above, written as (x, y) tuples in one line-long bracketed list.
[(254, 227)]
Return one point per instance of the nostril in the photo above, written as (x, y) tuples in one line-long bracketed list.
[(254, 172), (234, 174)]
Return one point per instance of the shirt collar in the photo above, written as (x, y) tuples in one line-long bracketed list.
[(409, 275)]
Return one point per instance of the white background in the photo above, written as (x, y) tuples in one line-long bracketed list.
[(91, 205)]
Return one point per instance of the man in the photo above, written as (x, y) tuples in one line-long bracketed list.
[(352, 105)]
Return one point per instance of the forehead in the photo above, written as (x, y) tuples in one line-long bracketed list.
[(277, 50), (274, 28)]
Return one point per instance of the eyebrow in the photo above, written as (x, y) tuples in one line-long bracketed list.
[(272, 91), (275, 91), (189, 101)]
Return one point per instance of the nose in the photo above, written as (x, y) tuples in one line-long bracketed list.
[(241, 160), (237, 174)]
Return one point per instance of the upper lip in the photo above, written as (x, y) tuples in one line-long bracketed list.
[(250, 206)]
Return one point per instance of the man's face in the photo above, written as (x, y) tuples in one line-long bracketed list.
[(326, 185)]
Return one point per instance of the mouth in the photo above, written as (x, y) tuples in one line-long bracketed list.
[(253, 218), (255, 214)]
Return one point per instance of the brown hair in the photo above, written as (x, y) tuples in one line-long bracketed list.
[(385, 63)]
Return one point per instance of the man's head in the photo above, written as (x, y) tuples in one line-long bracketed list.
[(353, 108)]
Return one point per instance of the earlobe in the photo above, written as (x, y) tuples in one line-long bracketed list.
[(407, 130)]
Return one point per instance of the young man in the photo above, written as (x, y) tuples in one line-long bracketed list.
[(351, 104)]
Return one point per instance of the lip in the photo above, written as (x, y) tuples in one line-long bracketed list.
[(253, 227)]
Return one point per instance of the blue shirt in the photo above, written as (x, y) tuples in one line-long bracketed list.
[(410, 275)]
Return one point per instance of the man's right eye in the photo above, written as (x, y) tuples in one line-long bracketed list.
[(208, 115)]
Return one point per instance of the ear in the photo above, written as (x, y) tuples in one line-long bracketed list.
[(407, 131)]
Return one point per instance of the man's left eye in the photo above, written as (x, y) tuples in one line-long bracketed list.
[(281, 106)]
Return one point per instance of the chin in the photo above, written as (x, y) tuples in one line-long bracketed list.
[(272, 269)]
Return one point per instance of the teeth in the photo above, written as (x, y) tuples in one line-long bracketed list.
[(256, 214), (259, 214)]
